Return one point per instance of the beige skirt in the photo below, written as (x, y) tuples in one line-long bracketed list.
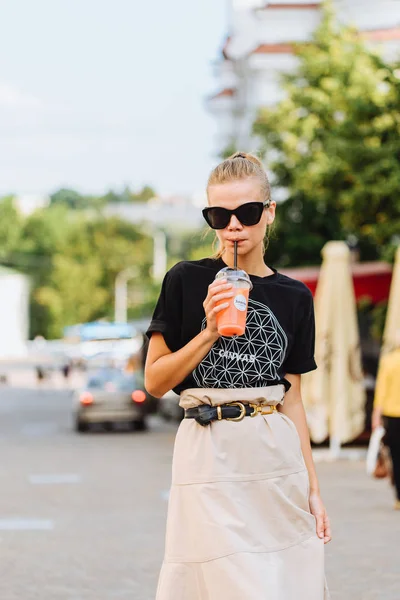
[(239, 525)]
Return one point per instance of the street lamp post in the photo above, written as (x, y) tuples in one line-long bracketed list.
[(159, 254), (121, 293)]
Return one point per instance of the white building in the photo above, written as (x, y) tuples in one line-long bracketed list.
[(259, 48), (14, 313)]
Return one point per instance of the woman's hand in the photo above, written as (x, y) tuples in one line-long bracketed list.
[(217, 291), (317, 509)]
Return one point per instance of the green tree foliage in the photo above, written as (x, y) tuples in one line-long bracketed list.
[(76, 201), (73, 293), (127, 195), (86, 261), (68, 197), (333, 143), (143, 195), (10, 227), (72, 259)]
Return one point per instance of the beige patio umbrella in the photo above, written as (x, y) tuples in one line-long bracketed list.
[(334, 395), (392, 323)]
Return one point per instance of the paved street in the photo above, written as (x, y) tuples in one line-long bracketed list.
[(82, 516)]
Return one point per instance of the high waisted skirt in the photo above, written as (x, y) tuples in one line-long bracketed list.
[(239, 525)]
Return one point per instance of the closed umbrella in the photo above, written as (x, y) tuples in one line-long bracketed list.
[(334, 394), (392, 323)]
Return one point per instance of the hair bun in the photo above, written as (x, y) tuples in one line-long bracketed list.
[(249, 157), (246, 166)]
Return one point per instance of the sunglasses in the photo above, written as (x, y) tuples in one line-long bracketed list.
[(248, 214)]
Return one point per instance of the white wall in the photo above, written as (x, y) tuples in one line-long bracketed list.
[(369, 14), (287, 25), (14, 314)]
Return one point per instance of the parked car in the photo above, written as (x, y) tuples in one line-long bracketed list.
[(169, 407), (113, 396)]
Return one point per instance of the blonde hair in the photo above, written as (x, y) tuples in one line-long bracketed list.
[(240, 166)]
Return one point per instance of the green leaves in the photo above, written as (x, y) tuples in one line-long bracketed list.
[(73, 258), (334, 142)]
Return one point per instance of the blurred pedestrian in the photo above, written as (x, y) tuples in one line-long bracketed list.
[(40, 374), (66, 370), (245, 517), (387, 408)]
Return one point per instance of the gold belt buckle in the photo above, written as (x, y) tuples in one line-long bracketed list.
[(242, 411), (259, 409)]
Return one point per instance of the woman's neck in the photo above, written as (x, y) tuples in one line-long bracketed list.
[(252, 263)]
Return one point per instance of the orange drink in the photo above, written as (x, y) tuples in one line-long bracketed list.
[(232, 320)]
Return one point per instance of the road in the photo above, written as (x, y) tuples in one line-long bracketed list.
[(82, 517)]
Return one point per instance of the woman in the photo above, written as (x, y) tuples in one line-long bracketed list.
[(386, 411), (245, 518)]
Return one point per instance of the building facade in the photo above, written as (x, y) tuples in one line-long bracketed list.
[(14, 313), (259, 48)]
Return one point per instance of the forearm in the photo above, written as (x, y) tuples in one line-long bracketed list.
[(294, 409), (169, 370)]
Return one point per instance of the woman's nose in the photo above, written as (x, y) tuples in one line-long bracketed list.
[(234, 223)]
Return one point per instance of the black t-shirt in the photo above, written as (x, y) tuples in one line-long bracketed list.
[(279, 336)]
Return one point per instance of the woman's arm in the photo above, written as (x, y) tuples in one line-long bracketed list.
[(380, 395), (294, 409), (164, 369)]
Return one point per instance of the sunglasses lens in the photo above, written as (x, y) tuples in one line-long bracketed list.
[(216, 217), (250, 213)]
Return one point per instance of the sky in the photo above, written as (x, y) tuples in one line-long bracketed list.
[(99, 94)]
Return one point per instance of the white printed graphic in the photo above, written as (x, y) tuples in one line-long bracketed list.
[(249, 360), (240, 302)]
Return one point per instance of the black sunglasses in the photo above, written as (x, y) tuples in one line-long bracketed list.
[(248, 214)]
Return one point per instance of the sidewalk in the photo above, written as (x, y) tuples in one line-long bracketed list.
[(363, 559), (25, 377)]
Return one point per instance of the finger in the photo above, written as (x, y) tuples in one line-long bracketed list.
[(220, 307), (320, 525), (216, 291), (327, 533), (221, 296), (217, 283)]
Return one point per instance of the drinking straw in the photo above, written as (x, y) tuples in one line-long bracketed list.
[(235, 255)]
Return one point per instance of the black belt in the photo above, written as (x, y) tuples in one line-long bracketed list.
[(234, 411)]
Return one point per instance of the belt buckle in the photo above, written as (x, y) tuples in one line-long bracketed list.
[(259, 409), (242, 411)]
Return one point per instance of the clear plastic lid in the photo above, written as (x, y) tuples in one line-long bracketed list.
[(234, 275)]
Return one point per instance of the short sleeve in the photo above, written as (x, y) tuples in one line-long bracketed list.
[(167, 316), (301, 357)]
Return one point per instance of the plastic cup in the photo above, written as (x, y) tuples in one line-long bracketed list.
[(232, 320)]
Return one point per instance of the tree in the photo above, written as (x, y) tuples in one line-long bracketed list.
[(85, 261), (127, 195), (73, 294), (334, 144), (67, 197), (143, 195), (10, 228)]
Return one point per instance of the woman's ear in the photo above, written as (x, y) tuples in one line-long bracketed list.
[(271, 213)]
